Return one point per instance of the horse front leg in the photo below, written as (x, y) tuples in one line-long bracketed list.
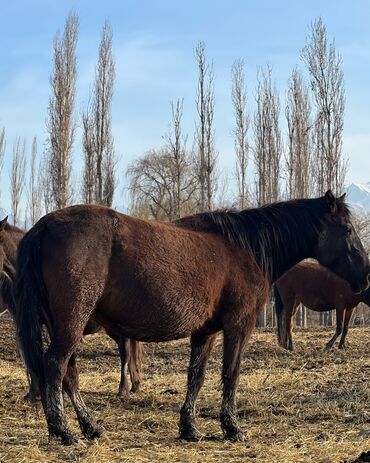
[(347, 319), (33, 394), (201, 347), (235, 338), (340, 315), (135, 364)]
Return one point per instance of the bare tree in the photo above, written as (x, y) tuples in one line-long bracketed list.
[(60, 123), (150, 185), (17, 176), (325, 69), (267, 140), (239, 100), (164, 180), (34, 186), (267, 148), (206, 154), (100, 160), (89, 173), (45, 184), (298, 154), (2, 148)]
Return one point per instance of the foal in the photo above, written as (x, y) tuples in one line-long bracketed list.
[(155, 282), (318, 289)]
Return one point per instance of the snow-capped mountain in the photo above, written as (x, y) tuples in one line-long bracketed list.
[(358, 195)]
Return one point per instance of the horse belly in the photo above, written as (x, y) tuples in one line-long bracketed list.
[(155, 316)]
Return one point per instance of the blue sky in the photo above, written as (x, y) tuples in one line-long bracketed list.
[(153, 46)]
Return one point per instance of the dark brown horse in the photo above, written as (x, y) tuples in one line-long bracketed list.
[(155, 282), (130, 351), (318, 289), (10, 237)]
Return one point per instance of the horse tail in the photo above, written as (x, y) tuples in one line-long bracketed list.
[(280, 315), (31, 308)]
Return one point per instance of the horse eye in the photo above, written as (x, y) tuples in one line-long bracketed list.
[(348, 230)]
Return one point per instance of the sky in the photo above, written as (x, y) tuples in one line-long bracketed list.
[(153, 46)]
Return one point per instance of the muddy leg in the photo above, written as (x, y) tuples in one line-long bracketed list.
[(134, 364), (290, 314), (55, 367), (33, 394), (347, 319), (87, 422), (235, 338), (201, 347), (340, 314), (124, 353)]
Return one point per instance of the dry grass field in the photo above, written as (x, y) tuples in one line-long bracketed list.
[(310, 406)]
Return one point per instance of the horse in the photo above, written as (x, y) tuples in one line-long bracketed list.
[(130, 351), (156, 282), (10, 236), (319, 289)]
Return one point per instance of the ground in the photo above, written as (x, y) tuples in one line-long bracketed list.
[(309, 406)]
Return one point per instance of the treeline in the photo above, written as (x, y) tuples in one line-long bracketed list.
[(182, 175), (283, 149)]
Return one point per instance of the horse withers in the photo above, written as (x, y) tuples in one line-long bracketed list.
[(318, 289), (155, 282)]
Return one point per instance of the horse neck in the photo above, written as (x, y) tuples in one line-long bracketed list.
[(286, 243)]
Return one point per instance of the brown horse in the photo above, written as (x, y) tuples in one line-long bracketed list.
[(130, 351), (10, 236), (318, 289), (155, 282)]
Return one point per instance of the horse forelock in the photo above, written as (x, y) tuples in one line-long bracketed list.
[(274, 232)]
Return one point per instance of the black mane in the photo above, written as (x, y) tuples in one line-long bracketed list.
[(274, 233)]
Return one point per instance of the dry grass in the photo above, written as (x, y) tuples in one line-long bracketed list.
[(310, 406)]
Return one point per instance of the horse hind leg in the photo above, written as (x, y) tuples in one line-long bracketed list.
[(55, 366), (201, 347), (88, 425)]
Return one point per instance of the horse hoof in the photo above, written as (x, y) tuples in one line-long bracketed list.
[(135, 388), (190, 435), (94, 433), (341, 346), (29, 397), (235, 435), (70, 439)]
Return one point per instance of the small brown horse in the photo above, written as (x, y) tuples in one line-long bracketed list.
[(130, 351), (155, 282), (318, 289)]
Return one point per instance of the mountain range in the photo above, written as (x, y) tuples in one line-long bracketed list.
[(358, 196)]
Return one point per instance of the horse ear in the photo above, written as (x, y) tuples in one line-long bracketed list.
[(3, 223), (331, 201), (343, 197)]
